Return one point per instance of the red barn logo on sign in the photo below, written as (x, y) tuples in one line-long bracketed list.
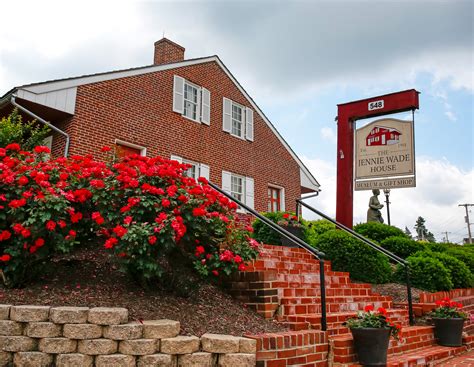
[(381, 135)]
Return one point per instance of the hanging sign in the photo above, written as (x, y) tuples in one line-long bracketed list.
[(385, 148)]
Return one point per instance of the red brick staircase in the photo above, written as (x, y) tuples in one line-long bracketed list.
[(284, 283)]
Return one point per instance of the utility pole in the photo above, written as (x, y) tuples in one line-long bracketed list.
[(446, 233), (467, 220)]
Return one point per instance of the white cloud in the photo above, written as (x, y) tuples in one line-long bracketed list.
[(441, 186), (328, 134)]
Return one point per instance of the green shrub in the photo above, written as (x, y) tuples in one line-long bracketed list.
[(263, 233), (314, 228), (427, 273), (438, 246), (461, 276), (27, 134), (466, 256), (349, 254), (402, 246), (378, 231)]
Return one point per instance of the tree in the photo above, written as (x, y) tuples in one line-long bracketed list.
[(408, 233), (422, 232), (28, 134)]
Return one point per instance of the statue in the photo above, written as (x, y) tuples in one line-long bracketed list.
[(373, 213)]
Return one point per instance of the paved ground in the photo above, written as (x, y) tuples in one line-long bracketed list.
[(462, 361)]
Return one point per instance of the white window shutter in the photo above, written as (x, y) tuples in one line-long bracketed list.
[(226, 181), (178, 94), (282, 200), (249, 124), (227, 115), (176, 158), (206, 107), (204, 171), (249, 188)]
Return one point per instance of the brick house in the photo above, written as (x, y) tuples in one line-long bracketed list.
[(381, 135), (193, 111)]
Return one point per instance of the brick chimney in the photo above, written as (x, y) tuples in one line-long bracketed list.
[(167, 51)]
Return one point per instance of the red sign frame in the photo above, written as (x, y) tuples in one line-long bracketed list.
[(347, 115)]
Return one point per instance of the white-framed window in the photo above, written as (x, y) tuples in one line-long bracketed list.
[(191, 101), (238, 128), (240, 187), (124, 148), (196, 170), (237, 120)]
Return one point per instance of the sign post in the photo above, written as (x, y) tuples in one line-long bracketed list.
[(348, 114)]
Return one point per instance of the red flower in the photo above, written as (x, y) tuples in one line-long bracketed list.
[(72, 233), (152, 240), (120, 231), (128, 219), (5, 258), (165, 203), (17, 203), (198, 212), (237, 259), (17, 228), (25, 233), (76, 217), (382, 311), (369, 308), (286, 215), (97, 218), (51, 225), (98, 184), (63, 176), (199, 251), (62, 223), (105, 149), (23, 180), (5, 235), (39, 242), (110, 243), (242, 267), (13, 146), (41, 149), (215, 272)]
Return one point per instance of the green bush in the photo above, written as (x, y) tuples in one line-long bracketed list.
[(378, 231), (466, 256), (402, 246), (27, 134), (349, 254), (461, 276), (263, 233), (314, 228), (427, 273), (438, 246)]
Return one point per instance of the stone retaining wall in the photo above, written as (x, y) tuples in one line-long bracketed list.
[(36, 336)]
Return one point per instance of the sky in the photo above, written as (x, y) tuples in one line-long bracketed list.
[(298, 60)]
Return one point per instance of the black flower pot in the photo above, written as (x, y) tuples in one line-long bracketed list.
[(297, 231), (371, 345), (448, 332)]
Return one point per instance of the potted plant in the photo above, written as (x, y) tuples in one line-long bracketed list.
[(371, 331), (291, 223), (448, 321)]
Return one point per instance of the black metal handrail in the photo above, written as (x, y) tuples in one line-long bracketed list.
[(294, 239), (374, 246)]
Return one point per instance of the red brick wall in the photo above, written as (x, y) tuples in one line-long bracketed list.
[(138, 109)]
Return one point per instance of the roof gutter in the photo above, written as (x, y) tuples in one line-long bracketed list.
[(43, 121)]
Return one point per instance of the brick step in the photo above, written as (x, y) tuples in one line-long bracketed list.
[(315, 292), (301, 305), (416, 341), (292, 348), (335, 320), (332, 289), (282, 251), (286, 266)]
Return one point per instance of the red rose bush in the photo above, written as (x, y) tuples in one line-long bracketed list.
[(144, 210)]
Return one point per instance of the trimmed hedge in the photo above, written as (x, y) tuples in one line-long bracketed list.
[(461, 276), (349, 254), (402, 246), (378, 231), (427, 273), (465, 255), (314, 228)]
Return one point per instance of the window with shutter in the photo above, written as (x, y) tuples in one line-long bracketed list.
[(240, 187), (191, 101), (238, 120), (195, 170)]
